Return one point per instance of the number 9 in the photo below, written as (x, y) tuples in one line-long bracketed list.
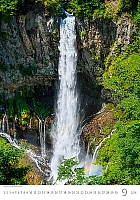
[(124, 191)]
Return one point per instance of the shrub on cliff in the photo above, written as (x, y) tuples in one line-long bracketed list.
[(11, 170), (8, 7), (120, 155), (122, 78)]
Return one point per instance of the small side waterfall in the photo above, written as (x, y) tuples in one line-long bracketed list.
[(65, 129), (5, 124), (37, 159), (42, 133), (90, 167), (0, 125), (14, 129)]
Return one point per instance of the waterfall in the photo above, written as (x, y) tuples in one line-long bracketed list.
[(0, 125), (5, 124), (91, 168), (65, 128), (42, 137), (14, 129)]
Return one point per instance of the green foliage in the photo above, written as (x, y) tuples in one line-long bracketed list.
[(11, 170), (72, 175), (18, 103), (65, 171), (55, 5), (99, 9), (136, 14), (127, 5), (84, 8), (8, 7), (130, 107), (105, 11), (124, 5), (122, 77), (40, 110), (130, 6), (23, 110), (120, 156), (82, 34)]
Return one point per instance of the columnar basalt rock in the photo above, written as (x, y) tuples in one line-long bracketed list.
[(97, 38), (99, 42), (28, 40)]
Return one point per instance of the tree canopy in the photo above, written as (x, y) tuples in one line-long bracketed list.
[(84, 8)]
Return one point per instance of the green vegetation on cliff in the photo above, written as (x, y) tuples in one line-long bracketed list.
[(12, 172), (120, 155), (23, 106), (81, 8), (8, 7)]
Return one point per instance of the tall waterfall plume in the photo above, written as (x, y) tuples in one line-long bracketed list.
[(65, 128)]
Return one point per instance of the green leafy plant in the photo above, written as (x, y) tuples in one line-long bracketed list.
[(11, 170), (120, 156), (82, 34), (136, 13), (8, 7), (23, 110), (127, 5), (69, 172), (122, 77), (40, 110), (84, 8), (55, 5)]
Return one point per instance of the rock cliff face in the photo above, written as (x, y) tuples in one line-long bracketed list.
[(99, 42), (94, 40), (28, 50), (100, 37)]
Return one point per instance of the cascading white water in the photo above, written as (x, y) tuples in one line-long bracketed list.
[(39, 160), (42, 133), (64, 130), (14, 129), (5, 124), (91, 168)]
